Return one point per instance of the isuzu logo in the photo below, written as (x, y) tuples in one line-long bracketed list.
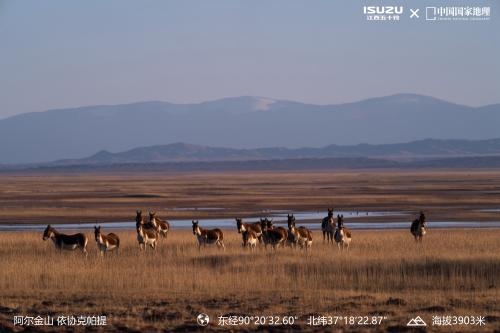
[(383, 10)]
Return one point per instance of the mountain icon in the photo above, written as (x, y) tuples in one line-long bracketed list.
[(417, 321)]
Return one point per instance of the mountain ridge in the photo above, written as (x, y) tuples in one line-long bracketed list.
[(240, 123), (185, 152)]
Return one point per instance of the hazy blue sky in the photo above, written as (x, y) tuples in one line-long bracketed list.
[(57, 54)]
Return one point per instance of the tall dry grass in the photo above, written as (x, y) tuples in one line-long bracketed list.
[(448, 262)]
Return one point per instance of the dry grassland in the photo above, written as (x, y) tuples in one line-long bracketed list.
[(385, 273)]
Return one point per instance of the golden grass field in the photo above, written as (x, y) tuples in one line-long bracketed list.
[(384, 273), (454, 272)]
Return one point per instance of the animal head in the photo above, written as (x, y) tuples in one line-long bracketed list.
[(152, 215), (291, 221), (340, 221), (97, 232), (138, 216), (330, 212), (49, 232), (153, 219), (269, 223), (196, 227), (264, 225), (239, 224), (422, 217)]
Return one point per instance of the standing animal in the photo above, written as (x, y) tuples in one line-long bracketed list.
[(162, 226), (146, 233), (105, 243), (299, 236), (249, 239), (208, 236), (273, 236), (418, 227), (342, 234), (328, 226), (66, 242), (255, 227)]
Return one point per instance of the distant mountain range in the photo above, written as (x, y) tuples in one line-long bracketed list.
[(247, 122), (182, 152)]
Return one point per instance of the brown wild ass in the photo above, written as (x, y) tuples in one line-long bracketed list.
[(273, 236), (299, 236), (418, 227), (254, 227), (326, 224), (249, 239), (208, 236), (162, 226), (105, 243), (146, 233), (342, 234), (66, 242)]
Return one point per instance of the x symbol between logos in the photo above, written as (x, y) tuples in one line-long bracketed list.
[(414, 13)]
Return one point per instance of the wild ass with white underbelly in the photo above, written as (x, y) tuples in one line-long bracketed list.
[(343, 235), (418, 228), (208, 236), (244, 228), (147, 234), (66, 242), (162, 226), (105, 243), (328, 226), (300, 236), (273, 236)]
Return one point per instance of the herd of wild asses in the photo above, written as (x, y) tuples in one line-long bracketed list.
[(260, 232)]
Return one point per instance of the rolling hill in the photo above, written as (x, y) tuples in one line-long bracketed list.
[(245, 122), (182, 152)]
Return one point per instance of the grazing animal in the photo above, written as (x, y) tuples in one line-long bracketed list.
[(208, 237), (328, 227), (105, 243), (255, 227), (146, 233), (299, 236), (249, 239), (66, 242), (417, 228), (273, 236), (342, 234), (162, 226)]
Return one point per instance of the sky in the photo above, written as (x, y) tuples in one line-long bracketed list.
[(57, 54)]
